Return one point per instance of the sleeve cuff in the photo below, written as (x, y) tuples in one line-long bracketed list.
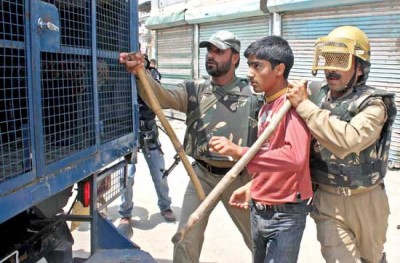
[(305, 108)]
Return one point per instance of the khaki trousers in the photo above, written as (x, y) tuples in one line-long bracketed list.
[(351, 228), (189, 249)]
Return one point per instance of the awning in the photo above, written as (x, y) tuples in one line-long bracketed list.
[(167, 20), (203, 14), (277, 6)]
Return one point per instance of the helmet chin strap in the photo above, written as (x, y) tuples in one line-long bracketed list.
[(351, 85), (353, 81)]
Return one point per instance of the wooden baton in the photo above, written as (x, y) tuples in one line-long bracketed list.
[(155, 106), (214, 195)]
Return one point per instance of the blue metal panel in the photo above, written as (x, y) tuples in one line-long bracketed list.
[(67, 111), (49, 27), (134, 45), (23, 198), (9, 43), (109, 237), (38, 160), (14, 94)]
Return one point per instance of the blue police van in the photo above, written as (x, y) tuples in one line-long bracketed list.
[(68, 118)]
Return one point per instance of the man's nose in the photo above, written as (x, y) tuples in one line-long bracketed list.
[(211, 54), (330, 71), (250, 74)]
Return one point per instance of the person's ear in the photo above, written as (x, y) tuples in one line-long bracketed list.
[(359, 70), (236, 57), (280, 69)]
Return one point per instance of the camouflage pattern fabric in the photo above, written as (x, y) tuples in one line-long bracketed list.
[(355, 170), (233, 116)]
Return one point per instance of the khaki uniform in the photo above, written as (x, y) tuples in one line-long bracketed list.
[(189, 249), (351, 222)]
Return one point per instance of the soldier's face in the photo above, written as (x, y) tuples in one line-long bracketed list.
[(218, 61), (261, 75), (338, 80)]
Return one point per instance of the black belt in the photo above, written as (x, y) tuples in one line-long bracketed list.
[(213, 169), (287, 207)]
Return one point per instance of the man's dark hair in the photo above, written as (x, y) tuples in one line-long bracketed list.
[(274, 49)]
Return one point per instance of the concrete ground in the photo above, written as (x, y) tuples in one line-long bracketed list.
[(223, 242)]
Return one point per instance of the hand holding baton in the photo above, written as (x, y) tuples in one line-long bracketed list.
[(215, 194), (155, 106)]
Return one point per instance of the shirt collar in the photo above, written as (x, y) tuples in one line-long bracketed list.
[(276, 95)]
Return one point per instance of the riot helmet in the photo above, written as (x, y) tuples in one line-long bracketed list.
[(337, 51)]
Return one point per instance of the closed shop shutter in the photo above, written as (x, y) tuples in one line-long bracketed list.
[(247, 30), (175, 54), (380, 21)]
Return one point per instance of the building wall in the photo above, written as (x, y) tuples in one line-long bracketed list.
[(301, 22)]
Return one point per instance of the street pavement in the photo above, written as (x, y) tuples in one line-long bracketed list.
[(223, 242)]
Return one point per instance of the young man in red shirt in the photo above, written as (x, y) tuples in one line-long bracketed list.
[(281, 186)]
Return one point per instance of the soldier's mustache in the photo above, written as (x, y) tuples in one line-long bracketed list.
[(333, 75)]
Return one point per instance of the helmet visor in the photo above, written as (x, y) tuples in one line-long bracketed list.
[(333, 54)]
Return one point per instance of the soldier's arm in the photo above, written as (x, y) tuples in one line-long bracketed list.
[(169, 98), (341, 137), (173, 99)]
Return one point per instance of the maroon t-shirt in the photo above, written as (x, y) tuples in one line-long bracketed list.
[(281, 167)]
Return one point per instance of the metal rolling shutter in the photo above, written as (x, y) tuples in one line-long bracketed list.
[(175, 54), (247, 30), (379, 21)]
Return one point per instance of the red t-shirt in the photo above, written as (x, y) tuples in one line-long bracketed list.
[(281, 167)]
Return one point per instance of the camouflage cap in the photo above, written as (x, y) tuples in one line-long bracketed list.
[(223, 40)]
